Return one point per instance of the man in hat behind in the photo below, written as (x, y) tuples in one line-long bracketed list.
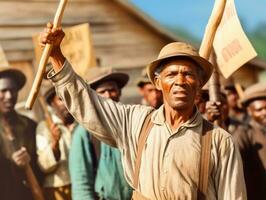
[(17, 139), (96, 167), (161, 158), (236, 113), (252, 141), (53, 143), (150, 95)]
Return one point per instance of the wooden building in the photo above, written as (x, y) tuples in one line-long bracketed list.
[(123, 36)]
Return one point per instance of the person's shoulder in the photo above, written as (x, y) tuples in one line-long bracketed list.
[(26, 120), (221, 139), (80, 133)]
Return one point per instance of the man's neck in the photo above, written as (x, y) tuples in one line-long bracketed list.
[(175, 118)]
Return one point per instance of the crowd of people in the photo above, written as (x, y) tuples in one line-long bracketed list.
[(99, 148)]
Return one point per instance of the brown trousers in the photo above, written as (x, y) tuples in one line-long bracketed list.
[(58, 193)]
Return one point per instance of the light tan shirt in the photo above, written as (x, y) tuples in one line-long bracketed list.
[(170, 160), (56, 172)]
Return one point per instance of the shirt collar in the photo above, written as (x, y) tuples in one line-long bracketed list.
[(158, 118)]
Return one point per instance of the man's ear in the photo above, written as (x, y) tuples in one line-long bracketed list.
[(157, 82), (249, 110)]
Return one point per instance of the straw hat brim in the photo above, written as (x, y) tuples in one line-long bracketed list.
[(17, 75), (203, 63), (120, 78), (249, 98), (142, 81)]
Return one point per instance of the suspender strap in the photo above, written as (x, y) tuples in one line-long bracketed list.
[(204, 158), (144, 133), (206, 140)]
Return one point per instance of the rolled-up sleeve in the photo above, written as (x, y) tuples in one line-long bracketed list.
[(229, 175), (109, 121)]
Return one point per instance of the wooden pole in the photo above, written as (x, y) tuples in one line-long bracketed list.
[(211, 28), (44, 59), (207, 47), (239, 90), (214, 82), (47, 114)]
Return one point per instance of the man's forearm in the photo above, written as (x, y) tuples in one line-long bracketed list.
[(57, 59)]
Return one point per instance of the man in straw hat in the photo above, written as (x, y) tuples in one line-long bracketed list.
[(161, 152), (53, 144), (96, 166), (150, 95), (252, 141), (17, 139)]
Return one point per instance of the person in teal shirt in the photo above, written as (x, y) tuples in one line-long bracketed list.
[(95, 168)]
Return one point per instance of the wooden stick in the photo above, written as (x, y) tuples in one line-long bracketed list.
[(34, 185), (211, 28), (47, 114), (207, 46), (239, 90), (44, 59)]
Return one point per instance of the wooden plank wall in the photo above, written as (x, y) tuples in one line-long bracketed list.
[(121, 39)]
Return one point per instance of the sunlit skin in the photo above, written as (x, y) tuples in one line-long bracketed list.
[(257, 110), (109, 89), (8, 95), (151, 95), (179, 84)]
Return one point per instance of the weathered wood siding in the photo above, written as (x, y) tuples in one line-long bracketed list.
[(120, 38)]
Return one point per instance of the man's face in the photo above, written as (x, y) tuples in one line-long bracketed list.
[(152, 96), (179, 83), (109, 89), (61, 110), (257, 110), (232, 98), (8, 95)]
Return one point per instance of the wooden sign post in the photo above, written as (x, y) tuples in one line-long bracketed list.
[(44, 59)]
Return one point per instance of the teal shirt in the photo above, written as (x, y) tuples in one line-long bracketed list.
[(109, 182)]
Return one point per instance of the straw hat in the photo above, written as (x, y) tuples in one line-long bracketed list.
[(144, 79), (7, 71), (95, 75), (178, 50), (254, 92)]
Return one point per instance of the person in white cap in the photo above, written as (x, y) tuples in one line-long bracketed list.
[(168, 153)]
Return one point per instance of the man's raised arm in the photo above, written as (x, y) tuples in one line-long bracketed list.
[(109, 121)]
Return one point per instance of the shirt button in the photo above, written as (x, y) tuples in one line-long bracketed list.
[(163, 189)]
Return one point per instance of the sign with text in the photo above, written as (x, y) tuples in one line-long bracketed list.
[(77, 48), (231, 45)]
